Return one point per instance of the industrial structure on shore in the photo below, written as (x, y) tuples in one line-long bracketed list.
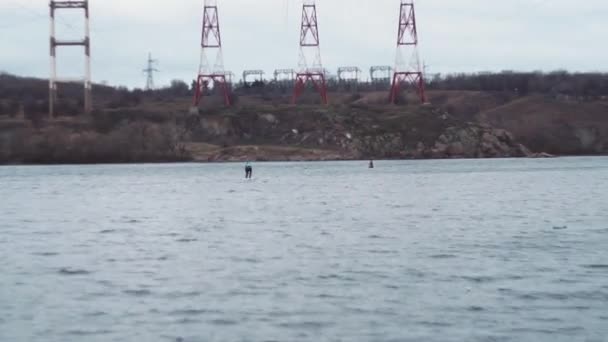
[(310, 73)]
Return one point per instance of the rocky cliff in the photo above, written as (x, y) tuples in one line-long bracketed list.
[(357, 132)]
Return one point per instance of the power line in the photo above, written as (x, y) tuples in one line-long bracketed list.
[(35, 16), (34, 13), (27, 13)]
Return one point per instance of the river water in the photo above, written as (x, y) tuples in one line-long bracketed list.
[(459, 250)]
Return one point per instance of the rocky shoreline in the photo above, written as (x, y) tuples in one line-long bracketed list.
[(473, 141), (302, 155), (260, 137), (339, 142)]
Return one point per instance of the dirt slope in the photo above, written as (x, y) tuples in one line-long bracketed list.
[(555, 125)]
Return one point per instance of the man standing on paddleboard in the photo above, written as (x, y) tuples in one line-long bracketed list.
[(248, 170)]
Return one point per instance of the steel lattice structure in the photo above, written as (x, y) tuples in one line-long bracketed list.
[(407, 71), (211, 75), (149, 71), (55, 43), (310, 47), (229, 76), (258, 73), (284, 75), (385, 72), (349, 74)]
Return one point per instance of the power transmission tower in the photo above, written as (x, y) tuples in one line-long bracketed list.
[(55, 43), (211, 75), (149, 71), (310, 66), (407, 71)]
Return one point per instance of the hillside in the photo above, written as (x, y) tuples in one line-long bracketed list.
[(559, 126), (137, 126)]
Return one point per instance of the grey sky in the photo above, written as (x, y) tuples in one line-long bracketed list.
[(456, 36)]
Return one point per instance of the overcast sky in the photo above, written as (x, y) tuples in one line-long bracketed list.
[(455, 36)]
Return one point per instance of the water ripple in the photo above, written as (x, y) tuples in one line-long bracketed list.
[(186, 240), (223, 322), (88, 332), (193, 312), (73, 271), (138, 293), (183, 294), (107, 231), (45, 254), (597, 266), (443, 256), (313, 252)]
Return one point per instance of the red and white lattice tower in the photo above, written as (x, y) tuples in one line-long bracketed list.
[(310, 67), (407, 65), (211, 72)]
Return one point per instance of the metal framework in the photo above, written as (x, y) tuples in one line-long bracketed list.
[(349, 74), (323, 71), (408, 72), (149, 71), (310, 65), (380, 73), (229, 76), (211, 75), (258, 75), (318, 82), (55, 43), (284, 74)]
